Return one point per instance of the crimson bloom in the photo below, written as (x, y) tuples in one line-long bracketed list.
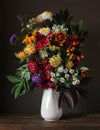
[(32, 66), (41, 44)]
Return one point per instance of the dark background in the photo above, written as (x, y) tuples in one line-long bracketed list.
[(89, 11)]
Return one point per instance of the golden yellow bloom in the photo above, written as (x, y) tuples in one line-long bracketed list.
[(21, 55), (30, 38), (29, 49), (69, 64), (55, 60)]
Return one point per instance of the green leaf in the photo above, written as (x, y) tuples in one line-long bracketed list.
[(23, 91), (80, 26), (17, 91), (14, 88), (13, 79)]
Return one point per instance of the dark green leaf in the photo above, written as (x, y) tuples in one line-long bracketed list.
[(80, 26), (14, 88), (17, 91), (13, 79)]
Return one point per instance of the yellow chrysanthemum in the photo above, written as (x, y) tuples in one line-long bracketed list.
[(21, 55), (55, 60), (30, 38), (69, 64), (29, 49)]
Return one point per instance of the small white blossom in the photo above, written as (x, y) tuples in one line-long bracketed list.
[(74, 82), (62, 80), (66, 76), (60, 69), (71, 71), (65, 70), (57, 74), (52, 74), (78, 81), (52, 79)]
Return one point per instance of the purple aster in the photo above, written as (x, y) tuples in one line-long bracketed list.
[(12, 38), (37, 79)]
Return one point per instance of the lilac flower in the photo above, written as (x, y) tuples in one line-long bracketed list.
[(12, 38), (37, 79)]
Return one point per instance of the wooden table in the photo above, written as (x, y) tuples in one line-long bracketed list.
[(69, 122)]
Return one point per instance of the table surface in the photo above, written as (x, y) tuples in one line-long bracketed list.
[(68, 122)]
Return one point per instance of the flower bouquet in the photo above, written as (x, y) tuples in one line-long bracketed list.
[(49, 57)]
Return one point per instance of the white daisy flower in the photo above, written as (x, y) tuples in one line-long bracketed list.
[(65, 70), (71, 71), (62, 80), (60, 69), (66, 76), (52, 74), (52, 79)]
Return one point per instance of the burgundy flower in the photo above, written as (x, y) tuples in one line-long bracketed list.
[(39, 36), (46, 85), (40, 86), (44, 61), (50, 84), (41, 44), (48, 67), (32, 66)]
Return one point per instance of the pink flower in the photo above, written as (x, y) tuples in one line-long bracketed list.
[(48, 67), (41, 44), (32, 66)]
